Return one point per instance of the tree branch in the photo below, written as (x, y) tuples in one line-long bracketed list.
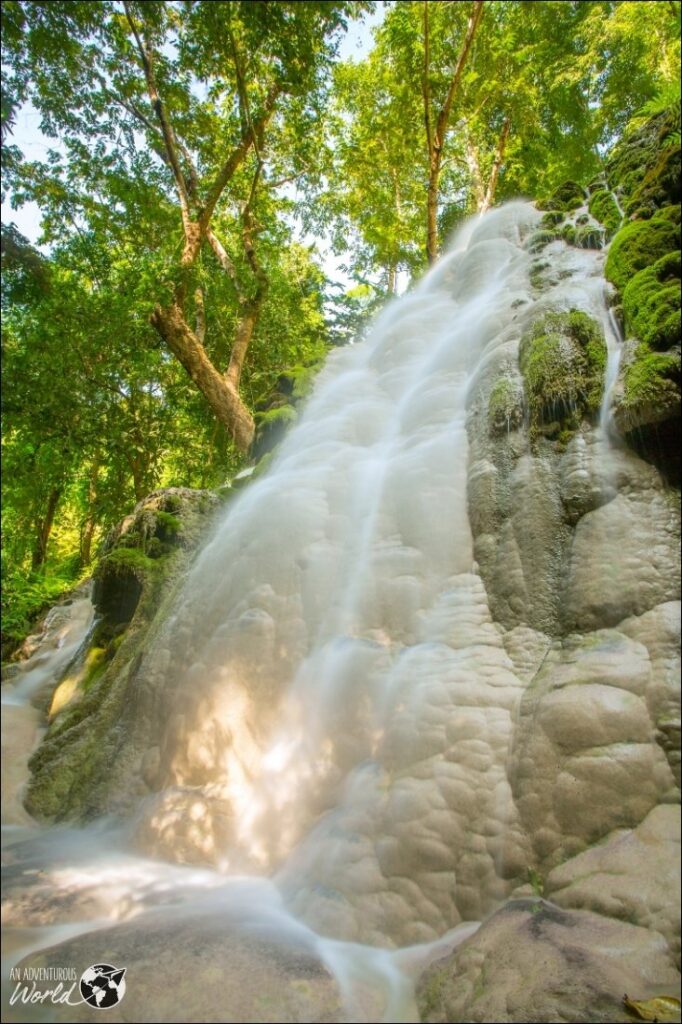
[(497, 163), (426, 91), (167, 132), (236, 158), (442, 122), (200, 326), (223, 258)]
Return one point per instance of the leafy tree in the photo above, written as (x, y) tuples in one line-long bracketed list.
[(186, 117)]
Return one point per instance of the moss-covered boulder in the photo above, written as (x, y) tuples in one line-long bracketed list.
[(279, 409), (505, 405), (644, 265), (604, 208), (647, 412), (562, 359), (568, 196), (644, 167), (640, 244), (143, 558), (651, 303)]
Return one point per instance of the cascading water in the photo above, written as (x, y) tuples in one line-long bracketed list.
[(338, 704)]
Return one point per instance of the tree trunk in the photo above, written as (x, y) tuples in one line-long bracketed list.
[(474, 166), (88, 531), (218, 390), (432, 212), (44, 529), (497, 163), (435, 133)]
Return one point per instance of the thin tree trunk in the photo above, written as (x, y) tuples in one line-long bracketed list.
[(497, 163), (475, 171), (432, 211), (90, 522), (220, 393), (44, 529), (435, 134)]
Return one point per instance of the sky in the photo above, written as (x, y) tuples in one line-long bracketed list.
[(34, 145)]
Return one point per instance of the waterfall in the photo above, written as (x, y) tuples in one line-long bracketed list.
[(338, 703)]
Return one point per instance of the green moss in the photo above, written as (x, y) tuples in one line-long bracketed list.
[(551, 219), (539, 239), (568, 234), (430, 996), (537, 271), (651, 303), (562, 361), (566, 197), (637, 153), (652, 379), (156, 548), (588, 236), (660, 183), (262, 465), (505, 409), (282, 414), (639, 244), (95, 665), (298, 381), (168, 522), (604, 208), (536, 882), (126, 561)]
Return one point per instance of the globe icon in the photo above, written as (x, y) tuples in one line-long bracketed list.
[(103, 986)]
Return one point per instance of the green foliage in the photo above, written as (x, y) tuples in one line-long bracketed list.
[(651, 303), (25, 597), (638, 245)]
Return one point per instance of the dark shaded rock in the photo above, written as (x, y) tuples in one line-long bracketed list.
[(199, 967), (533, 962)]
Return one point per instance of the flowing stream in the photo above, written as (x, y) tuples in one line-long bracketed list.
[(340, 702)]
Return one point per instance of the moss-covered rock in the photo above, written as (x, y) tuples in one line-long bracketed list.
[(651, 303), (562, 359), (646, 155), (551, 219), (648, 406), (566, 197), (505, 405), (639, 244), (651, 391), (644, 265), (143, 558), (589, 236), (604, 208), (278, 411), (540, 239)]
